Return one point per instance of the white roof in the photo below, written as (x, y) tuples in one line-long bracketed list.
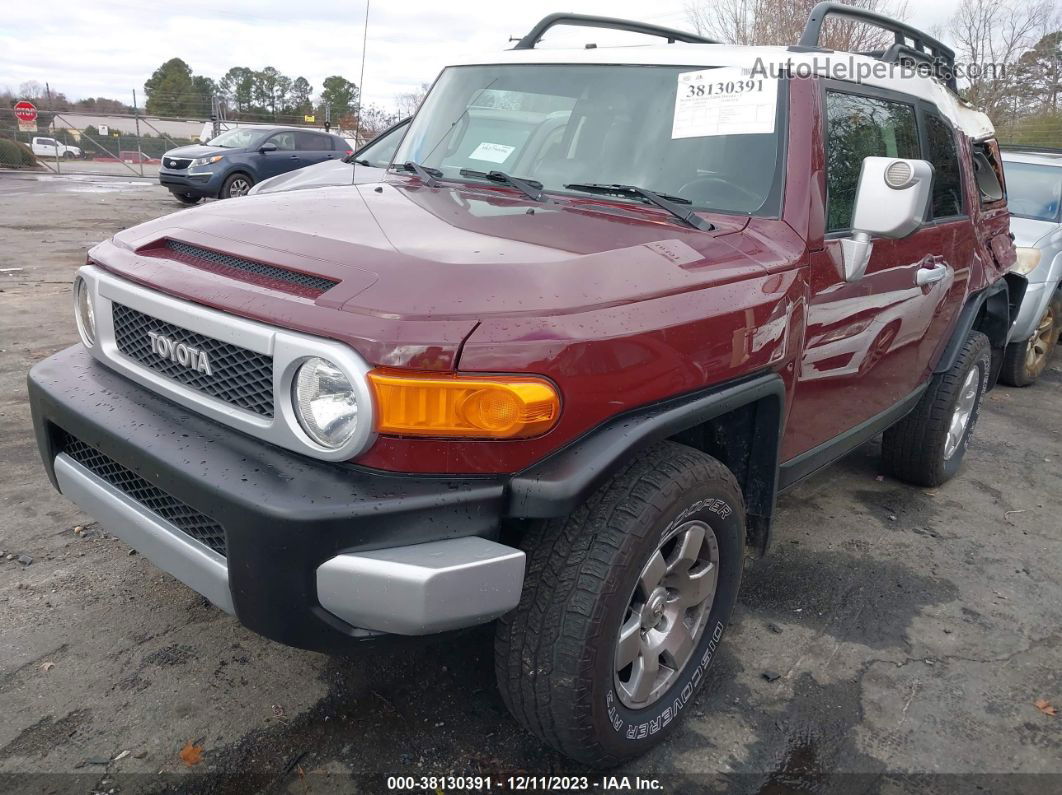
[(858, 69)]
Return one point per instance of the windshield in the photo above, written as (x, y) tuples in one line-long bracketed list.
[(1034, 191), (707, 135), (240, 138)]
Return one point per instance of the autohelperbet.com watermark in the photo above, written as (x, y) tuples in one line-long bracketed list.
[(839, 66)]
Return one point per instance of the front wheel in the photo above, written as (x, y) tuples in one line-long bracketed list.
[(236, 185), (68, 155), (927, 446), (624, 605), (1025, 361)]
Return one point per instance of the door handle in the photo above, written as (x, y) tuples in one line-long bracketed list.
[(932, 273)]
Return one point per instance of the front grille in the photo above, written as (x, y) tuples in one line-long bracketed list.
[(176, 162), (240, 268), (237, 376), (185, 518)]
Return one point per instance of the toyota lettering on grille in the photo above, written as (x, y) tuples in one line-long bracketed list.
[(184, 355)]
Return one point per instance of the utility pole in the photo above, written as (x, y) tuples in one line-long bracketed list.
[(139, 151), (215, 115)]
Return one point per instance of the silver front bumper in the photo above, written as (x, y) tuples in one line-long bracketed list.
[(411, 590)]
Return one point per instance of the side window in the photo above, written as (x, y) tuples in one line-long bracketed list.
[(380, 151), (313, 142), (947, 182), (285, 141), (988, 174), (859, 127)]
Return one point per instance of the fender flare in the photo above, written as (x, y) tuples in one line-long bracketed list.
[(557, 485), (996, 300)]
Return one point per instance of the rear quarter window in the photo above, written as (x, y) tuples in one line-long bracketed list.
[(946, 201)]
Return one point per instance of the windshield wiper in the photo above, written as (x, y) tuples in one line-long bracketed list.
[(529, 187), (676, 205), (428, 175)]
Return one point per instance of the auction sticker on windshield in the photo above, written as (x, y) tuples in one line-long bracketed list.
[(492, 153), (725, 101)]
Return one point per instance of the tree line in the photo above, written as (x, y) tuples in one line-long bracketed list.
[(1011, 50), (264, 94)]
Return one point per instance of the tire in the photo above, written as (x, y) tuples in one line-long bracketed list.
[(187, 198), (556, 653), (236, 185), (1024, 361), (924, 448), (68, 155)]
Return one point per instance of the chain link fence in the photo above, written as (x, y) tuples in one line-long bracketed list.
[(73, 140)]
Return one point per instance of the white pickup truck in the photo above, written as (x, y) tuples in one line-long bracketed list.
[(49, 147)]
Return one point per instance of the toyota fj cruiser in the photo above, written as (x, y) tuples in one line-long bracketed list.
[(554, 368)]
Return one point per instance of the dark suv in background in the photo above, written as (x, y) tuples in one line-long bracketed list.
[(230, 164)]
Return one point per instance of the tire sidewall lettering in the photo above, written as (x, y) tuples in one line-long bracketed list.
[(666, 711)]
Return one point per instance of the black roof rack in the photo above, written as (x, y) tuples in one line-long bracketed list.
[(529, 41), (911, 46)]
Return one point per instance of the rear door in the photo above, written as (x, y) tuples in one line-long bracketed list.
[(314, 147), (285, 158), (868, 343)]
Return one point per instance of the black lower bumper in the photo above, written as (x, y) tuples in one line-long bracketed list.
[(283, 514), (204, 185)]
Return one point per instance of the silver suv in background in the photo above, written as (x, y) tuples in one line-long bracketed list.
[(1034, 195)]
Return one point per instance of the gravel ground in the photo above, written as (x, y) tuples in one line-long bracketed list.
[(896, 636)]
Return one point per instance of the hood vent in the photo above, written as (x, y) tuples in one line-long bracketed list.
[(246, 270)]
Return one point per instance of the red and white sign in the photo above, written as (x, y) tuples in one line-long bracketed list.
[(25, 111), (26, 114)]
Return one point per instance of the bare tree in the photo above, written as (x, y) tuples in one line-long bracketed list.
[(990, 36), (775, 22), (408, 103)]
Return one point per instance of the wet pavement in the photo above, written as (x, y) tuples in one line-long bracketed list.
[(896, 639)]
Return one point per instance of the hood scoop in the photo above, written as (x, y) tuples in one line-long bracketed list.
[(260, 273)]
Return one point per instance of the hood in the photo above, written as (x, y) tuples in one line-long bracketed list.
[(198, 150), (320, 175), (406, 251), (1029, 231)]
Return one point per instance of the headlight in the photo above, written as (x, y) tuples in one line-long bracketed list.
[(1028, 259), (325, 403), (205, 161), (84, 313)]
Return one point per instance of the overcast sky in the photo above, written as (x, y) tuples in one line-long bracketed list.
[(109, 47)]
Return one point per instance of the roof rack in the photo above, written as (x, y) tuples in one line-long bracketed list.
[(911, 45), (529, 41)]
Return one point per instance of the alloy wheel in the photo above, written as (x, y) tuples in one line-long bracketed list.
[(1041, 344), (960, 418), (239, 187), (666, 614)]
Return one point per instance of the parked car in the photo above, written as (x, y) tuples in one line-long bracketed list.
[(365, 165), (1034, 194), (43, 146), (229, 165), (554, 368)]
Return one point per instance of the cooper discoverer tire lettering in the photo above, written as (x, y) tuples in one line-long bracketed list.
[(673, 513)]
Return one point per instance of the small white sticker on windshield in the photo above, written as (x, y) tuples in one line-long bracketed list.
[(725, 101), (492, 153)]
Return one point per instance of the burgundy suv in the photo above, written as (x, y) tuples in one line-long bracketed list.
[(555, 367)]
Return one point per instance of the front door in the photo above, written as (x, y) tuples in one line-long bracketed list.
[(870, 342)]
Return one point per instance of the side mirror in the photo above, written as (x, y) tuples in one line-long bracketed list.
[(891, 201), (268, 146)]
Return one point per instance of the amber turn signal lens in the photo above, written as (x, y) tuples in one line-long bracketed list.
[(416, 404)]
